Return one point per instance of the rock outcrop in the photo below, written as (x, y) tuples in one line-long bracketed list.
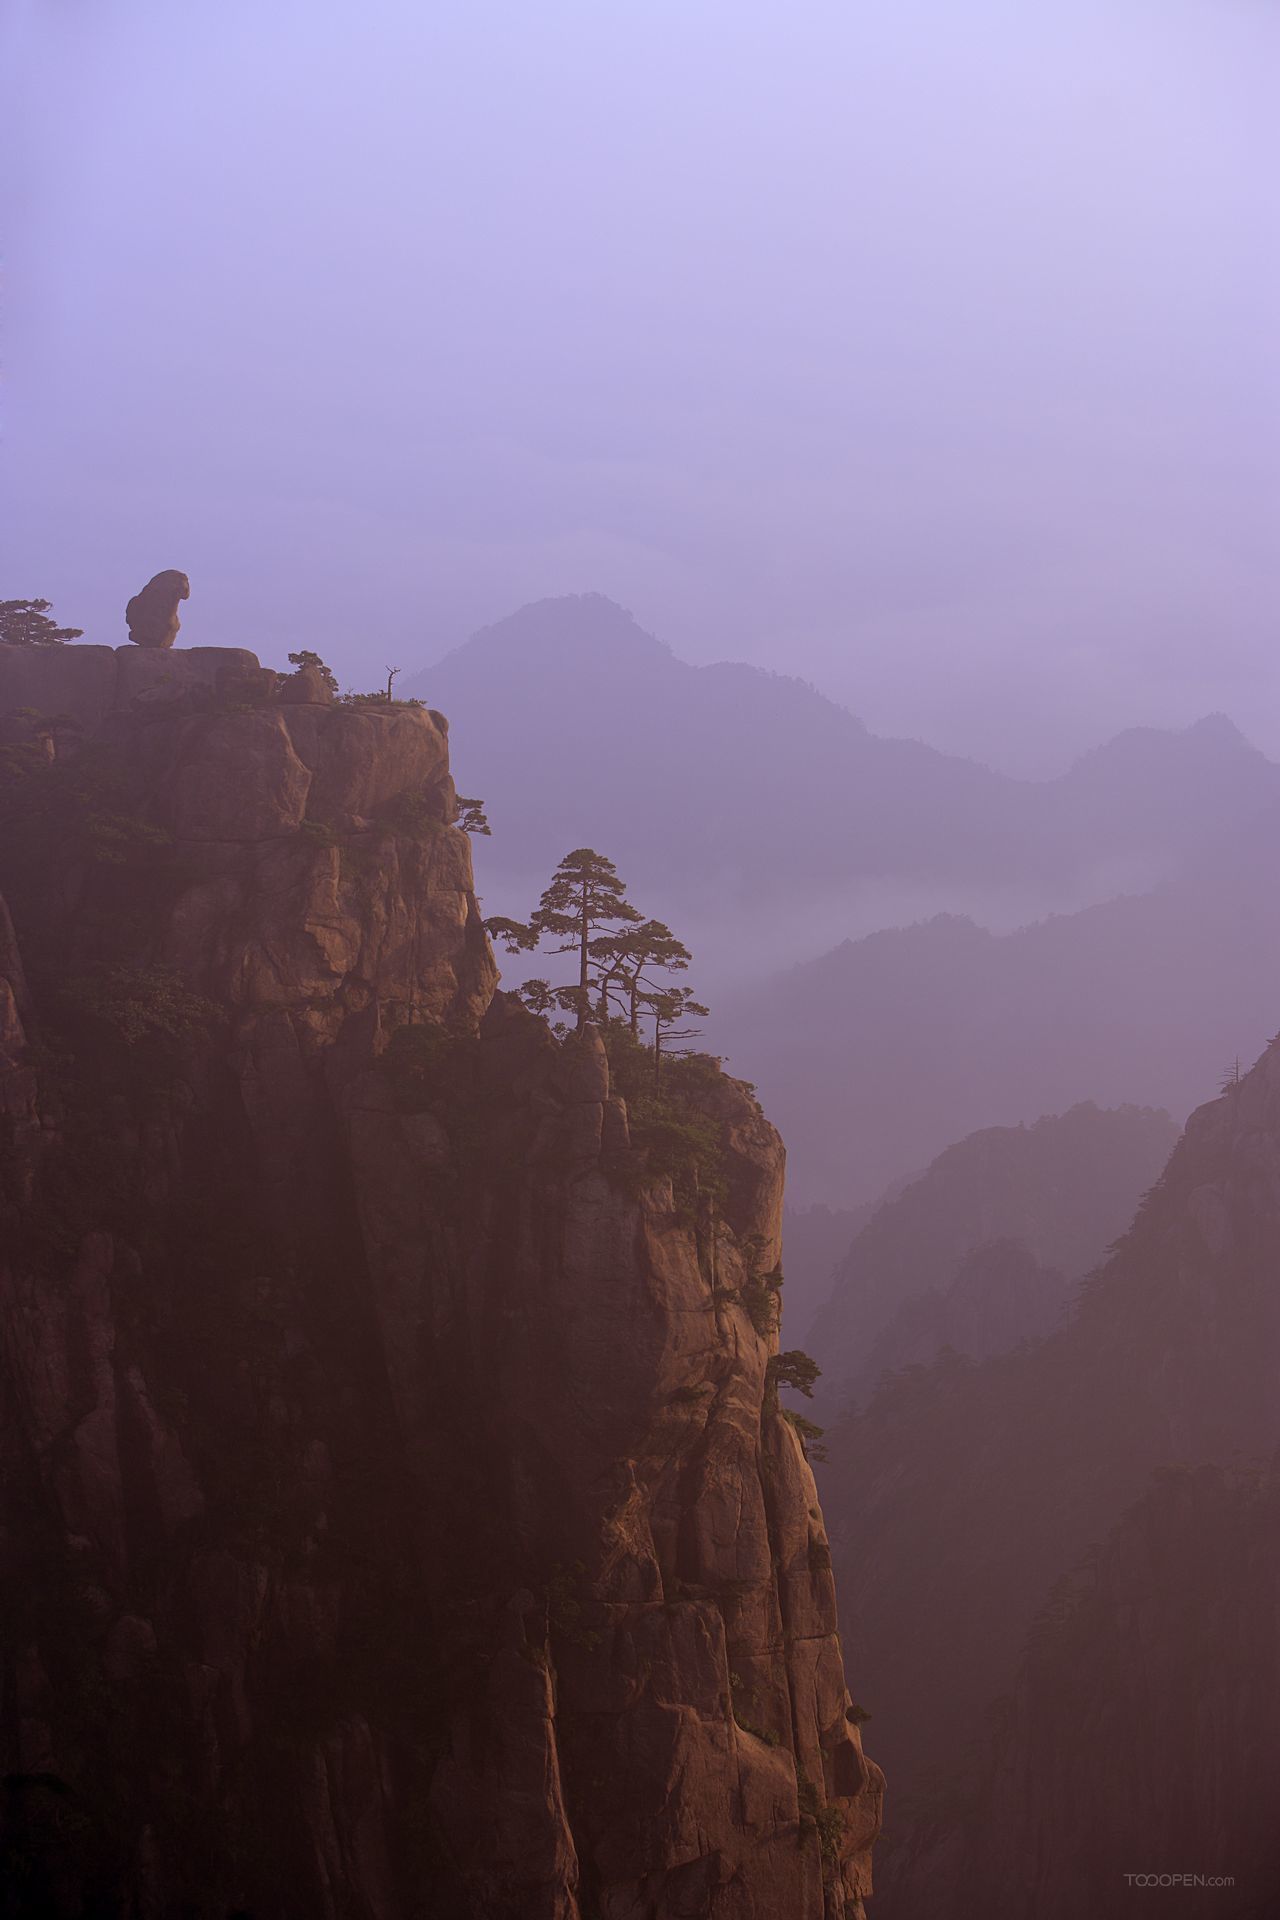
[(400, 1518), (152, 615), (83, 685)]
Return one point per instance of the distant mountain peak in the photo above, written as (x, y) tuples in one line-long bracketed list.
[(1218, 726), (587, 644), (566, 630), (1141, 748)]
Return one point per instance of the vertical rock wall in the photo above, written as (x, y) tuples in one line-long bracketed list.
[(399, 1519)]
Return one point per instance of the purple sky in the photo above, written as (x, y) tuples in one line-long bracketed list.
[(926, 350)]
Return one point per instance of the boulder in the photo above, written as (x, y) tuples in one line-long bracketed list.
[(152, 614), (306, 688)]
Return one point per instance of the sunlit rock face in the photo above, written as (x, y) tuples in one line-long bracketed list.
[(401, 1518)]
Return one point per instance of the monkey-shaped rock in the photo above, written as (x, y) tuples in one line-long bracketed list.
[(152, 615)]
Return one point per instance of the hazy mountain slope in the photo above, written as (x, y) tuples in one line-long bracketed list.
[(1142, 1735), (965, 1491), (725, 793), (880, 1053), (814, 1242), (999, 1296), (911, 1282), (1166, 788)]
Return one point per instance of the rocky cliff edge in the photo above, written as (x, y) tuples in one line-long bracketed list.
[(400, 1518)]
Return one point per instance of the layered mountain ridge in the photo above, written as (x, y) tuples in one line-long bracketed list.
[(1145, 999), (722, 790), (985, 1248), (991, 949), (401, 1517)]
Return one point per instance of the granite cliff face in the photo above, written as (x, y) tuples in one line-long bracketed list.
[(399, 1516)]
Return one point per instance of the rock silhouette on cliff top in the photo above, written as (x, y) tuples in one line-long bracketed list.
[(152, 614)]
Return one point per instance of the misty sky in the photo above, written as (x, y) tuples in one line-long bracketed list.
[(924, 349)]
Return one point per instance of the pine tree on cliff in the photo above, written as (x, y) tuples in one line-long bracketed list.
[(626, 961), (26, 623), (471, 816), (306, 658), (584, 898), (669, 1006)]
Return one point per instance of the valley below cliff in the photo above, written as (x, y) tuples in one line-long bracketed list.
[(1057, 1555)]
